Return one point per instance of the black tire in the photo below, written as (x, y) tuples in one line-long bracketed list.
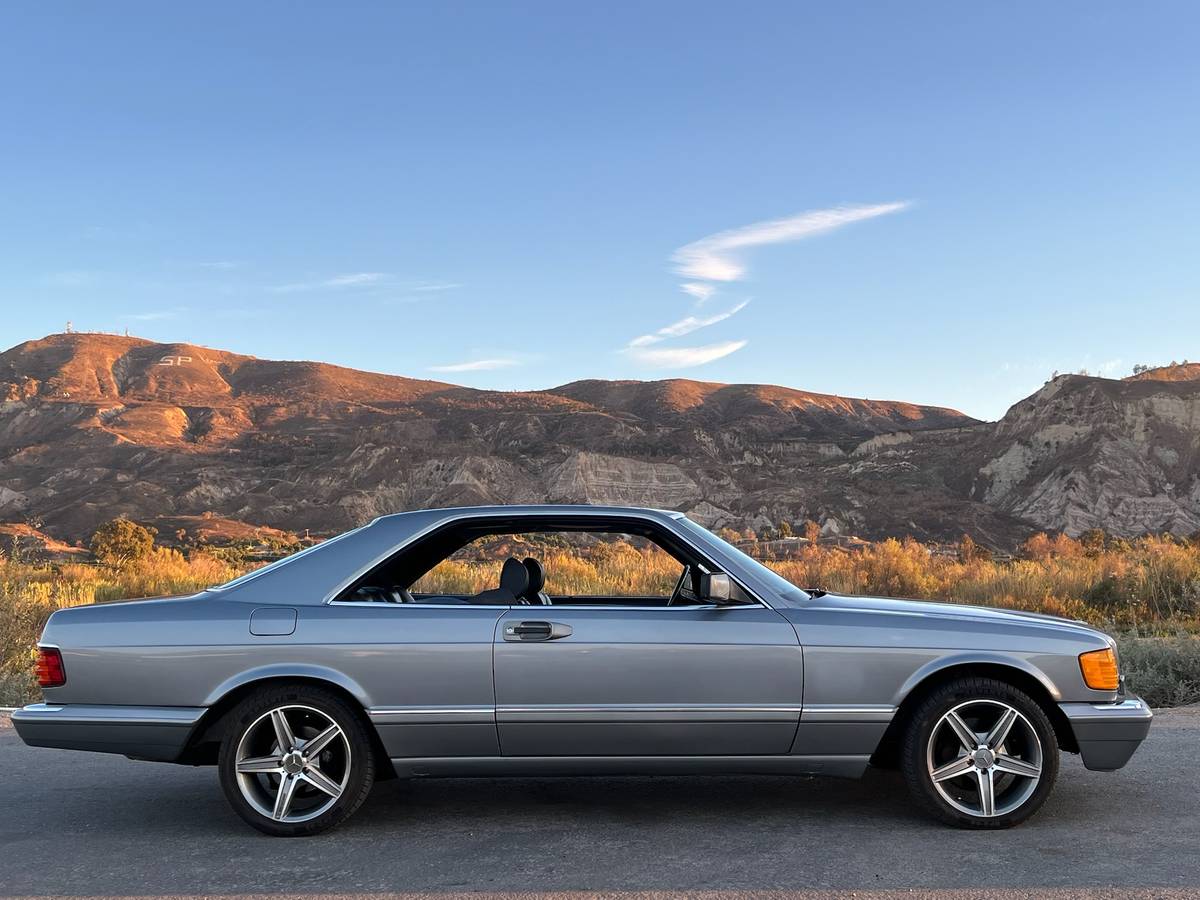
[(305, 707), (975, 697)]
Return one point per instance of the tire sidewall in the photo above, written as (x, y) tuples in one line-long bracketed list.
[(930, 712), (362, 768)]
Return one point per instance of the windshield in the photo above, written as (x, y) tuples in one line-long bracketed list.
[(279, 563), (778, 583)]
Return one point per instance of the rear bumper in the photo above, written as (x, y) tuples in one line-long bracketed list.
[(145, 732), (1108, 733)]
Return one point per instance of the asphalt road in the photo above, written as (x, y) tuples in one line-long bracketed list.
[(88, 825)]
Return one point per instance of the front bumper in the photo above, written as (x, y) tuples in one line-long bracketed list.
[(145, 732), (1108, 733)]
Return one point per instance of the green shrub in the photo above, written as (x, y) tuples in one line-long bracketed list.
[(1164, 671), (119, 541)]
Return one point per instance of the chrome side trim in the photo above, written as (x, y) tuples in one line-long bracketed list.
[(84, 714), (863, 712), (432, 715), (848, 766), (646, 712), (563, 713)]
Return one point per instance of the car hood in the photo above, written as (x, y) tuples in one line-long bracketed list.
[(948, 610)]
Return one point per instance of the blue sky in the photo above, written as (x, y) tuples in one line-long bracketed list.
[(936, 202)]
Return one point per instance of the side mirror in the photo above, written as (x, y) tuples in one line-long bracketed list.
[(716, 588)]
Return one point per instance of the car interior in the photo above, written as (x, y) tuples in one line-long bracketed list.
[(522, 581)]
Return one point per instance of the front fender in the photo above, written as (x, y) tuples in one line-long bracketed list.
[(975, 657)]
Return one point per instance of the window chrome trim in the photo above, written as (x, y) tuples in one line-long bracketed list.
[(492, 513), (375, 604)]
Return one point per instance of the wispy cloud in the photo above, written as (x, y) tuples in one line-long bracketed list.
[(699, 290), (154, 315), (477, 365), (718, 259), (355, 279), (337, 282), (365, 281), (220, 265), (423, 287), (686, 325), (718, 256), (683, 357)]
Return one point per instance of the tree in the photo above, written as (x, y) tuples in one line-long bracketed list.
[(785, 529), (812, 531), (766, 533), (119, 541)]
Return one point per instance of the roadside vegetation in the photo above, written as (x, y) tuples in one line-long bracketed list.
[(1145, 591)]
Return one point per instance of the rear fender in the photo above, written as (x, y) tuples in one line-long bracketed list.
[(289, 670)]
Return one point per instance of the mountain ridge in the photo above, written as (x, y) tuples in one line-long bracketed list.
[(95, 425)]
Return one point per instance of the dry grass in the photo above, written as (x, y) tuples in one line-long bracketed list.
[(30, 592), (1148, 583), (1146, 590)]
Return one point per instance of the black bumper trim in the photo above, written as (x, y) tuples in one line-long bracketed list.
[(1108, 733)]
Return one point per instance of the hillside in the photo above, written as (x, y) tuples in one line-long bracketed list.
[(1184, 371), (95, 425)]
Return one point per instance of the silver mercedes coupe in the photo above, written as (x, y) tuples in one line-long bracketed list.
[(372, 655)]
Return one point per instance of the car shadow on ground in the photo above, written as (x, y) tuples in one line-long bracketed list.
[(649, 800)]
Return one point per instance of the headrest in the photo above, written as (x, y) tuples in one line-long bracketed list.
[(537, 574), (514, 577)]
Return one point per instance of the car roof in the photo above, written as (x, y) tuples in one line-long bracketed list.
[(322, 569), (534, 509)]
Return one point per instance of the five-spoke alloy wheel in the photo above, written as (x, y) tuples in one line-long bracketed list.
[(980, 754), (296, 760)]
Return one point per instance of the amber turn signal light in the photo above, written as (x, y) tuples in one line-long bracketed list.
[(1100, 670), (49, 668)]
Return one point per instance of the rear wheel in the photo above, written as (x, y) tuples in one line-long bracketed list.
[(979, 753), (295, 760)]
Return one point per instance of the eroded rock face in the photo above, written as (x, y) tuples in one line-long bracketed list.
[(1094, 453), (92, 426)]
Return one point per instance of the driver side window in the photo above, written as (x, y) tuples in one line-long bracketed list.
[(579, 568)]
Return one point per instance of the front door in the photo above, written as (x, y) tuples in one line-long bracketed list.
[(626, 681)]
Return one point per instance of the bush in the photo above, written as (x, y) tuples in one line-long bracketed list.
[(1164, 671), (120, 541)]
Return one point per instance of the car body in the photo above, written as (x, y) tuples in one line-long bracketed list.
[(736, 672)]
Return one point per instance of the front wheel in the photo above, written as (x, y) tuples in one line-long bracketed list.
[(979, 753), (295, 760)]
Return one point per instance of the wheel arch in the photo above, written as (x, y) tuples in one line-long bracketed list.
[(204, 742), (1012, 671)]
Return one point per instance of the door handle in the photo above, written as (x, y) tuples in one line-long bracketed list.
[(536, 631)]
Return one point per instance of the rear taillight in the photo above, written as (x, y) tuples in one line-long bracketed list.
[(49, 667)]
